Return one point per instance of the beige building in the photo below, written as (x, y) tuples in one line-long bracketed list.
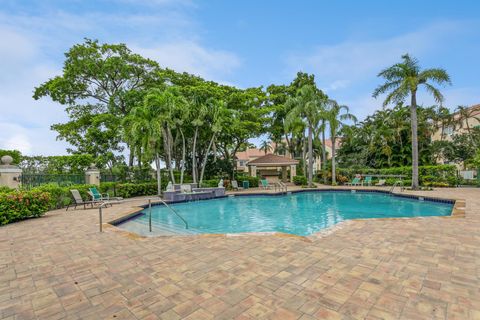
[(460, 124), (244, 157)]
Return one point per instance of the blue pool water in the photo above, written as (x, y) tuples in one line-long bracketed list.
[(299, 213)]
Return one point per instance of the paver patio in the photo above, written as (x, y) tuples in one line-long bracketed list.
[(60, 267)]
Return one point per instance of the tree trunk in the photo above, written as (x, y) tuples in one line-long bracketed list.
[(324, 157), (205, 159), (194, 156), (168, 149), (304, 156), (182, 164), (310, 157), (413, 115), (130, 157), (159, 175), (334, 170)]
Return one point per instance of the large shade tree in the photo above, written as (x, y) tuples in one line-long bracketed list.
[(404, 79)]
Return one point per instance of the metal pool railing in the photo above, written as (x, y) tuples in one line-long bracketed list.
[(105, 203)]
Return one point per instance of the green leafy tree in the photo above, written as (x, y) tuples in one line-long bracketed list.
[(99, 86), (405, 79)]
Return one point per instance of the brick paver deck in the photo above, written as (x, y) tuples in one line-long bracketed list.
[(61, 267)]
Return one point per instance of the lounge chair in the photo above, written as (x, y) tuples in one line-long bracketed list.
[(381, 182), (367, 181), (235, 185), (78, 201), (97, 196), (265, 184), (355, 182)]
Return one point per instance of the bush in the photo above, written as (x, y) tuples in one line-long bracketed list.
[(300, 180), (445, 174), (253, 181), (210, 183), (128, 190), (5, 189), (61, 196), (19, 205)]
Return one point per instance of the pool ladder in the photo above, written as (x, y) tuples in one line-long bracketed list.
[(166, 205), (106, 203), (398, 182), (281, 186)]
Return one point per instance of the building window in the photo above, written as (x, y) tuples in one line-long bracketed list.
[(448, 130), (241, 163)]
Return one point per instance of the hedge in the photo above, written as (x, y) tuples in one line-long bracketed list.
[(19, 205), (300, 180), (253, 181), (438, 175)]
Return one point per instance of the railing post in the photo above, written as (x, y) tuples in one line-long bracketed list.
[(150, 214), (100, 217)]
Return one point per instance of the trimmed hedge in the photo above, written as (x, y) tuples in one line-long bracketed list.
[(253, 181), (439, 175), (300, 180), (19, 205)]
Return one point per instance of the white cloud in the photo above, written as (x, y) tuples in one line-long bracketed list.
[(191, 57), (350, 62), (32, 49)]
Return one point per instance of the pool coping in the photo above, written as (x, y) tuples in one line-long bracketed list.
[(458, 211)]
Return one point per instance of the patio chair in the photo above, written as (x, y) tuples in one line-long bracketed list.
[(78, 201), (354, 182), (381, 183), (265, 184), (97, 196), (367, 181)]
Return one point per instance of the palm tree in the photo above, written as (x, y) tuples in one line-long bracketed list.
[(404, 79), (143, 126), (265, 146), (309, 105), (335, 119), (464, 114)]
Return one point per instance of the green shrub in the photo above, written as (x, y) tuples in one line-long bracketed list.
[(128, 190), (210, 183), (300, 180), (427, 174), (5, 189), (61, 196), (253, 181), (19, 205)]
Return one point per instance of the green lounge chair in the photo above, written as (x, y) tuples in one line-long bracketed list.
[(265, 184), (367, 181), (355, 182), (97, 196)]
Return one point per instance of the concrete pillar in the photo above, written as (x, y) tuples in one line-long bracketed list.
[(9, 174), (284, 174), (253, 171), (293, 171), (92, 175)]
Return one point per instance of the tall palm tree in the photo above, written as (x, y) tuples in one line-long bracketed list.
[(403, 79), (265, 146), (336, 115), (308, 104), (144, 127)]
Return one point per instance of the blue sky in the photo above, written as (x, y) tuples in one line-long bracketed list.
[(243, 43)]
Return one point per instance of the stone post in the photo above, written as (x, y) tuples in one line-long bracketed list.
[(92, 175), (9, 174), (284, 174), (253, 171), (293, 171)]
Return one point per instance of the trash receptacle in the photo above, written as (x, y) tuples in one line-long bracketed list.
[(246, 184)]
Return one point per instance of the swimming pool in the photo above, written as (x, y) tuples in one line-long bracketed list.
[(300, 213)]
